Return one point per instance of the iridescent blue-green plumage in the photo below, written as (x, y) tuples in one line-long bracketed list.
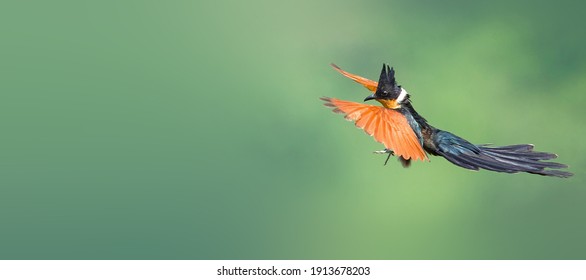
[(508, 159)]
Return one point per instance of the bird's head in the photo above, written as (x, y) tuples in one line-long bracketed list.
[(388, 93)]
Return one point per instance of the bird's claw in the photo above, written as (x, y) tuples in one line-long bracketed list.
[(385, 151)]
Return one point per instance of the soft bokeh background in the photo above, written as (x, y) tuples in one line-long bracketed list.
[(193, 129)]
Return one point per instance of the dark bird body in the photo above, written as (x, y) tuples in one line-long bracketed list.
[(509, 159), (391, 130)]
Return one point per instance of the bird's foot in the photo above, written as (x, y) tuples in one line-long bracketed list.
[(385, 151)]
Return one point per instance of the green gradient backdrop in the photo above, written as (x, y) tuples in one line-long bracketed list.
[(193, 129)]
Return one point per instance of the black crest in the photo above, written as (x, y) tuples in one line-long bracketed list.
[(387, 85)]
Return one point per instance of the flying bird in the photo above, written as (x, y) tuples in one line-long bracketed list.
[(407, 135)]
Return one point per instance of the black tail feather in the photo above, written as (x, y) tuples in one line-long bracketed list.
[(508, 159)]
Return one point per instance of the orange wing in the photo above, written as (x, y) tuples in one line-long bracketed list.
[(387, 126), (369, 84)]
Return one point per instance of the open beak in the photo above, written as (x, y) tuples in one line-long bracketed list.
[(370, 97)]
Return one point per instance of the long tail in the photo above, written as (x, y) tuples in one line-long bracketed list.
[(509, 159)]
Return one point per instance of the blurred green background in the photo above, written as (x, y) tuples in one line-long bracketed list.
[(193, 129)]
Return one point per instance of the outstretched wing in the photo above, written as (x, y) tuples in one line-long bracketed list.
[(369, 84), (387, 126)]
